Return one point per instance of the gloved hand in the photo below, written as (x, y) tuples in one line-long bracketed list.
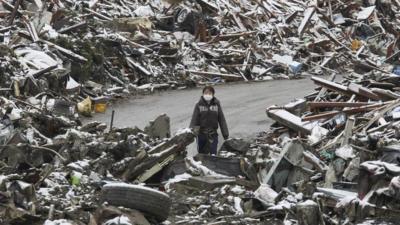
[(226, 138), (196, 130)]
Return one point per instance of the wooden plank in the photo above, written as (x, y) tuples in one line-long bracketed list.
[(138, 66), (326, 18), (210, 182), (133, 43), (14, 12), (385, 94), (308, 13), (276, 164), (101, 16), (350, 111), (290, 120), (316, 105), (324, 89), (348, 130), (65, 51), (237, 20), (73, 27), (331, 85), (214, 74), (155, 169), (43, 71), (291, 17), (332, 38), (32, 31), (232, 35), (362, 91)]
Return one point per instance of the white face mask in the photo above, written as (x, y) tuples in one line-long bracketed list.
[(207, 97)]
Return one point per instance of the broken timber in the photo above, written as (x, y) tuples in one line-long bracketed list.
[(288, 119)]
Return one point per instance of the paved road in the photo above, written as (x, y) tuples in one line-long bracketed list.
[(243, 104)]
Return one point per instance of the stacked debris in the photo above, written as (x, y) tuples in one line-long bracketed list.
[(350, 133), (331, 158), (246, 184), (103, 49), (53, 169)]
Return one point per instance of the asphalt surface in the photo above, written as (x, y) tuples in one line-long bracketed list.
[(243, 104)]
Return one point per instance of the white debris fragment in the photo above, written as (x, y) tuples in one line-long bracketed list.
[(317, 133), (238, 207), (34, 60), (80, 165), (58, 222), (72, 84), (265, 194), (120, 220), (204, 170), (344, 202), (120, 184), (177, 179), (238, 190), (15, 114), (294, 66), (345, 152), (365, 13), (183, 131)]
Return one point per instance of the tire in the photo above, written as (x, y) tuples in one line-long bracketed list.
[(144, 199)]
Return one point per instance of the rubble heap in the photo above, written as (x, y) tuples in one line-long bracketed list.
[(52, 168), (351, 132), (103, 49), (330, 158)]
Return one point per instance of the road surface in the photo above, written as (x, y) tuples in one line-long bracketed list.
[(244, 105)]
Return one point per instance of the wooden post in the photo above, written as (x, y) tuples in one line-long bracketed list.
[(112, 120), (14, 12)]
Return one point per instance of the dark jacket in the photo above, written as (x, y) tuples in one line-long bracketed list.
[(208, 116)]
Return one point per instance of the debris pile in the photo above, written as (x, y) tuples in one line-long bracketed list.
[(331, 158), (349, 134), (52, 168), (103, 49)]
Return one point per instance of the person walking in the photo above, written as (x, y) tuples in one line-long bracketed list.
[(207, 115)]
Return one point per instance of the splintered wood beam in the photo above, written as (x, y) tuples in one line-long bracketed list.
[(214, 74), (14, 12), (290, 120), (331, 85), (317, 105), (65, 51), (308, 13)]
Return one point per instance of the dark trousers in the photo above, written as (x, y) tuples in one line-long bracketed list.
[(207, 144)]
